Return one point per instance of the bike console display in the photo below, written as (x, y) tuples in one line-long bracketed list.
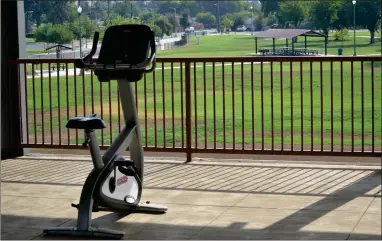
[(126, 53)]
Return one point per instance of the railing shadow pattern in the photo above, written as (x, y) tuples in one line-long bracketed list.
[(262, 179)]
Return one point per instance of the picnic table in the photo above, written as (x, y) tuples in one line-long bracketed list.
[(58, 66), (264, 51), (288, 51)]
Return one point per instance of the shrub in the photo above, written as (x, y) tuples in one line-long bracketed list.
[(272, 19), (206, 18), (41, 33), (59, 34), (340, 35)]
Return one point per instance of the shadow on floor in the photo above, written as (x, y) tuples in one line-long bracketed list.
[(155, 231), (258, 179)]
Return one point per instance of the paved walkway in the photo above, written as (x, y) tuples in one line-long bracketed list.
[(71, 72), (366, 36), (206, 200)]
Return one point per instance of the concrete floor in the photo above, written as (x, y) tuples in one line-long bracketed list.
[(206, 200)]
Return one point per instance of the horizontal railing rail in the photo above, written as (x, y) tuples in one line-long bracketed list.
[(234, 105)]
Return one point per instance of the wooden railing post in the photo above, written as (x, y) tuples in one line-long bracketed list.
[(188, 111)]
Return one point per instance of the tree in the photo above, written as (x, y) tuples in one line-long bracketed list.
[(256, 8), (206, 18), (53, 33), (188, 5), (116, 19), (28, 22), (98, 8), (89, 27), (174, 21), (268, 7), (232, 6), (166, 6), (59, 12), (259, 22), (148, 16), (227, 23), (164, 25), (272, 7), (185, 19), (323, 13), (125, 9), (240, 18), (293, 11), (75, 28), (122, 8), (214, 7), (35, 9), (272, 19), (369, 15), (344, 16), (147, 5), (157, 31)]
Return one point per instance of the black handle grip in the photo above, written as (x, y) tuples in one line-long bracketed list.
[(127, 168), (128, 171), (79, 63), (95, 43)]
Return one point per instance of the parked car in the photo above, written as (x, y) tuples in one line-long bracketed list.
[(274, 26), (241, 28), (189, 29)]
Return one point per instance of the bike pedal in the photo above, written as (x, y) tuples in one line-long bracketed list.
[(94, 209), (75, 205)]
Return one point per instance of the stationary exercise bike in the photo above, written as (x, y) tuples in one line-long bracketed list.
[(115, 184)]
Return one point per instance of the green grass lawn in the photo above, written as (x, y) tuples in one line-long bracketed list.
[(357, 33), (241, 45), (37, 67), (38, 51), (30, 40)]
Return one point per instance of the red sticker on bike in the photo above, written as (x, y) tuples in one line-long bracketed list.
[(121, 180)]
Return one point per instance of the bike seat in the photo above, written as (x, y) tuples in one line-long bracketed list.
[(87, 123)]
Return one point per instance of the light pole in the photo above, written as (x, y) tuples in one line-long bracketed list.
[(354, 2), (79, 10), (218, 16), (131, 9), (251, 20), (108, 8), (174, 17)]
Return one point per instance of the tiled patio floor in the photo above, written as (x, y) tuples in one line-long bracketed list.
[(206, 200)]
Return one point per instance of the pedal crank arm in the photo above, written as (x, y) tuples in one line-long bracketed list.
[(94, 209)]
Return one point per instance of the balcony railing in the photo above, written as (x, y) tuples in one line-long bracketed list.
[(243, 105)]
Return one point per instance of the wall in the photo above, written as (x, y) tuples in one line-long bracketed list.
[(13, 33)]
